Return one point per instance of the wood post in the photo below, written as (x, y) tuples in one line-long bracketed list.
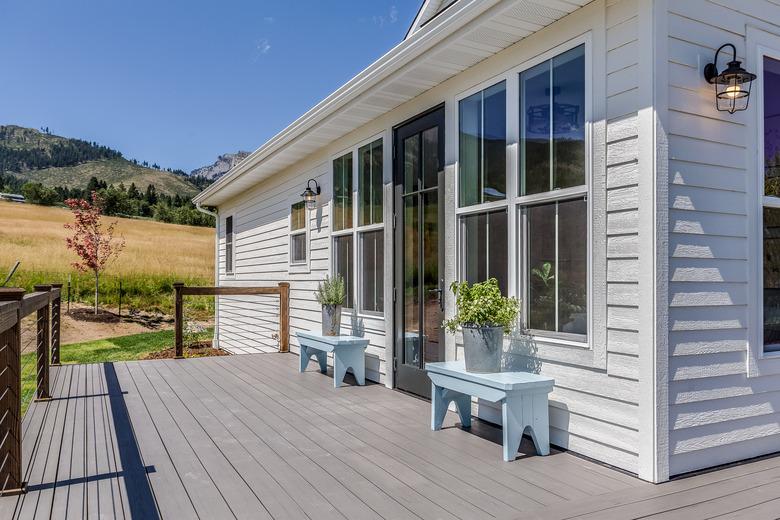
[(43, 339), (56, 313), (284, 316), (11, 393), (179, 319)]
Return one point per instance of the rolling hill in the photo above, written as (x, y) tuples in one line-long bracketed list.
[(55, 161)]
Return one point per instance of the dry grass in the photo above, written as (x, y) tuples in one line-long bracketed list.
[(35, 235)]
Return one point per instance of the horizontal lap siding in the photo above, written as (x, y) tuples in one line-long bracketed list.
[(717, 413), (248, 324)]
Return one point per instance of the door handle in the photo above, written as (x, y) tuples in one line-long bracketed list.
[(439, 294)]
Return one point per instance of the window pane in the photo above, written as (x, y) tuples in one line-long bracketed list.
[(482, 153), (411, 163), (372, 260), (569, 118), (370, 183), (484, 248), (342, 192), (430, 142), (377, 180), (229, 244), (411, 294), (558, 266), (572, 266), (771, 279), (470, 150), (298, 216), (298, 248), (771, 127), (540, 243), (494, 148), (342, 262), (535, 129)]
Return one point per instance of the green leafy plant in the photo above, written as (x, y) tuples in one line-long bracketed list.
[(482, 305), (331, 291), (544, 273)]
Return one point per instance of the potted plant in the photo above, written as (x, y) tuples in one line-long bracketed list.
[(484, 315), (331, 294)]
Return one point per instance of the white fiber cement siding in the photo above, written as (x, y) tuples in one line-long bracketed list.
[(594, 407), (717, 413)]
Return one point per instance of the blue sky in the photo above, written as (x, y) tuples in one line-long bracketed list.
[(178, 82)]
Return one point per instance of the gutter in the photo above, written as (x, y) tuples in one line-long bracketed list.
[(215, 339)]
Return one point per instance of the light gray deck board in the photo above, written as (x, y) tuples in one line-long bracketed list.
[(449, 472), (248, 436)]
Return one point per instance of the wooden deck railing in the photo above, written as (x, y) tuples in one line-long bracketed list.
[(15, 305), (282, 290)]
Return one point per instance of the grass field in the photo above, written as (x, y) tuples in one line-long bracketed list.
[(156, 254)]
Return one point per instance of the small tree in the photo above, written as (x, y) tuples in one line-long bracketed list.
[(95, 245)]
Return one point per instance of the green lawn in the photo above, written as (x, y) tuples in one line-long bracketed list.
[(124, 348)]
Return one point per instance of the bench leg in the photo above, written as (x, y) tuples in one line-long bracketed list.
[(304, 358), (322, 358), (519, 412), (346, 359), (440, 400)]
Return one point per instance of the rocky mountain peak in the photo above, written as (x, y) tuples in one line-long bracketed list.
[(220, 167)]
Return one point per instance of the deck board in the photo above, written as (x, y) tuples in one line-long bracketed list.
[(250, 437)]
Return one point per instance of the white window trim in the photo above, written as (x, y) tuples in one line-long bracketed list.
[(759, 362), (355, 231), (299, 267), (230, 273), (513, 200)]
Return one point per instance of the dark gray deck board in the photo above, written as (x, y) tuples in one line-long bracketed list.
[(247, 436)]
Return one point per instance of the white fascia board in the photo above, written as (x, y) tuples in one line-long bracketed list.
[(403, 53)]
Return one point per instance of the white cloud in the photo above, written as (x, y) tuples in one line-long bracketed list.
[(269, 19), (389, 19), (263, 46)]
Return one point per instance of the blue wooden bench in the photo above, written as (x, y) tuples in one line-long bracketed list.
[(348, 352), (523, 398)]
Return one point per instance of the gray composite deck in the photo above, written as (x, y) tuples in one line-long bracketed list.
[(249, 437)]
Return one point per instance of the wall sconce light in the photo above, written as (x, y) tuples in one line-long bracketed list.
[(732, 86), (310, 195)]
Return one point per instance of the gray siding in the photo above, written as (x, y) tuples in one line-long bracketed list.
[(717, 413)]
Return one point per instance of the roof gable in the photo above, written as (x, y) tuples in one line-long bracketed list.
[(428, 11)]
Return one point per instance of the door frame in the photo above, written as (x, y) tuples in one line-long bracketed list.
[(422, 388)]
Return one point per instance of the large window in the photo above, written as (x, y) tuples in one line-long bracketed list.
[(229, 245), (482, 146), (552, 201), (482, 184), (298, 233), (370, 183), (771, 204), (342, 192), (358, 236), (484, 251), (552, 124)]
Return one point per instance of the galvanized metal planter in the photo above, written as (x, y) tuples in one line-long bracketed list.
[(482, 347), (331, 320)]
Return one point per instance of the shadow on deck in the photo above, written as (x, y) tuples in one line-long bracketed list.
[(250, 437)]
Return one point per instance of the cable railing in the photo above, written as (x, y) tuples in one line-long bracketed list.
[(20, 359)]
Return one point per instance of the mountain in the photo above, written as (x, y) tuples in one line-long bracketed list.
[(56, 161), (220, 167)]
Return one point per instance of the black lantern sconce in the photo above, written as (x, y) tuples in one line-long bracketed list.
[(310, 195), (732, 86)]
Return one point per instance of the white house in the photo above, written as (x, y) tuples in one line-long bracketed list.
[(573, 150)]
